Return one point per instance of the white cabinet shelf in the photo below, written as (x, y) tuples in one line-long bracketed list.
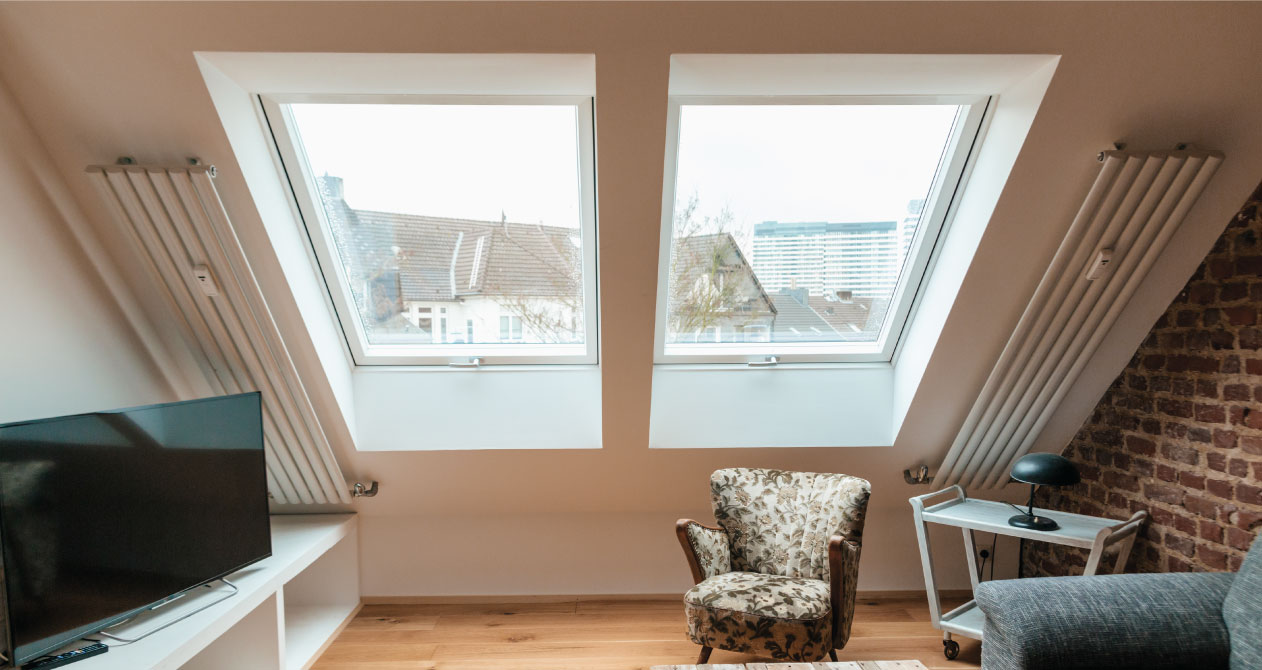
[(290, 606)]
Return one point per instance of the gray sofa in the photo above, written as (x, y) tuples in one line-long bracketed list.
[(1149, 621)]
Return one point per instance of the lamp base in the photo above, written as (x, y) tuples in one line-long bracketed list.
[(1032, 522)]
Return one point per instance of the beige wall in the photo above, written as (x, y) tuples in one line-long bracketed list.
[(65, 347), (100, 80)]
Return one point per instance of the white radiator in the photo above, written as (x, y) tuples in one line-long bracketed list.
[(1134, 208), (177, 222)]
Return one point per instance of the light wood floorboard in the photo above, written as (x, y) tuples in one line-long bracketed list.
[(598, 635)]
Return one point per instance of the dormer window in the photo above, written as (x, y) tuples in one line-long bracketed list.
[(823, 212), (477, 209)]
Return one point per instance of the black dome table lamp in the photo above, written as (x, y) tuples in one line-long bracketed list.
[(1041, 470)]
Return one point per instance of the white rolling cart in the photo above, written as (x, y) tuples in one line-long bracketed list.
[(970, 515)]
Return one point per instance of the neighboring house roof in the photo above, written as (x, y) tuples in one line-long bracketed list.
[(442, 259), (718, 253), (797, 322), (848, 317), (802, 317)]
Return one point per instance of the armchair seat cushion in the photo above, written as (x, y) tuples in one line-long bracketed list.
[(781, 617)]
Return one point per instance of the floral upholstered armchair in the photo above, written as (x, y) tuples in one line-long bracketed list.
[(777, 577)]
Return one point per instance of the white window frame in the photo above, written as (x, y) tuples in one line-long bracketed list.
[(304, 190), (948, 183)]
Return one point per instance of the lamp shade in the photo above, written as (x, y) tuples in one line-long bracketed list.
[(1045, 470)]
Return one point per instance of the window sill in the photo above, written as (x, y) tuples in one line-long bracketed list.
[(495, 407), (791, 405)]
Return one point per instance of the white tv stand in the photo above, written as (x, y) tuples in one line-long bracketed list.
[(290, 607)]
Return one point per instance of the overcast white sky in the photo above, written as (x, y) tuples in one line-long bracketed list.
[(809, 162), (462, 161), (785, 163)]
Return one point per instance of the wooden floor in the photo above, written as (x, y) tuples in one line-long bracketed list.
[(597, 635)]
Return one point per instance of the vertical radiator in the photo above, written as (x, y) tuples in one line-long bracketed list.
[(1136, 205), (175, 219)]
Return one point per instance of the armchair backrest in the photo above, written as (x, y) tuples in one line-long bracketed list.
[(779, 522)]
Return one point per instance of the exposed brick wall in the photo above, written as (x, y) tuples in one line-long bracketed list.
[(1179, 433)]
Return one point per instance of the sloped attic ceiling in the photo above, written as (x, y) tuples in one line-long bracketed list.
[(102, 80)]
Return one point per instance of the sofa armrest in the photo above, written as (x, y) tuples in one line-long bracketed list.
[(1149, 621), (706, 548)]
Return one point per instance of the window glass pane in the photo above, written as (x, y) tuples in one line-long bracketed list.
[(468, 211), (793, 223)]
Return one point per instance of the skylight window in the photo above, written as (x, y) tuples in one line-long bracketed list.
[(449, 229), (811, 220)]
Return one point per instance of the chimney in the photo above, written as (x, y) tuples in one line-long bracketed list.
[(845, 296), (331, 187)]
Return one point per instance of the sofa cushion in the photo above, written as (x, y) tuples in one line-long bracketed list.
[(1167, 621), (1242, 611), (765, 615)]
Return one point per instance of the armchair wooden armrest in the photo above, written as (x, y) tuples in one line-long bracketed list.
[(843, 571), (705, 547)]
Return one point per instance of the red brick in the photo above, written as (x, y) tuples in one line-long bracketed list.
[(1216, 461), (1202, 293), (1239, 539), (1244, 315), (1140, 445), (1248, 520), (1213, 558), (1181, 454), (1191, 480), (1118, 501), (1117, 480), (1224, 439), (1248, 265), (1220, 487), (1212, 531), (1231, 364), (1172, 407), (1251, 444), (1163, 494), (1166, 473), (1231, 290), (1201, 506), (1211, 414), (1180, 544), (1249, 495), (1236, 392)]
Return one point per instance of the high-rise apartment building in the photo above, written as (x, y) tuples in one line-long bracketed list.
[(821, 257)]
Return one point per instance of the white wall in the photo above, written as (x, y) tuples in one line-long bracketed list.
[(103, 79), (65, 346)]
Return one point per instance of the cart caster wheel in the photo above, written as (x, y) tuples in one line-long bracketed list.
[(950, 649)]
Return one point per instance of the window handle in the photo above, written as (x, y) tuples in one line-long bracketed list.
[(473, 364), (768, 362)]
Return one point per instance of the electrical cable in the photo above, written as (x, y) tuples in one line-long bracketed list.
[(994, 555)]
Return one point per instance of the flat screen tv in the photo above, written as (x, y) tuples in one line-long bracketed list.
[(105, 514)]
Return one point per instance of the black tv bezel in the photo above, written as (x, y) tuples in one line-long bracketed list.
[(101, 624)]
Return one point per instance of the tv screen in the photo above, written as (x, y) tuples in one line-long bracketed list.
[(105, 514)]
